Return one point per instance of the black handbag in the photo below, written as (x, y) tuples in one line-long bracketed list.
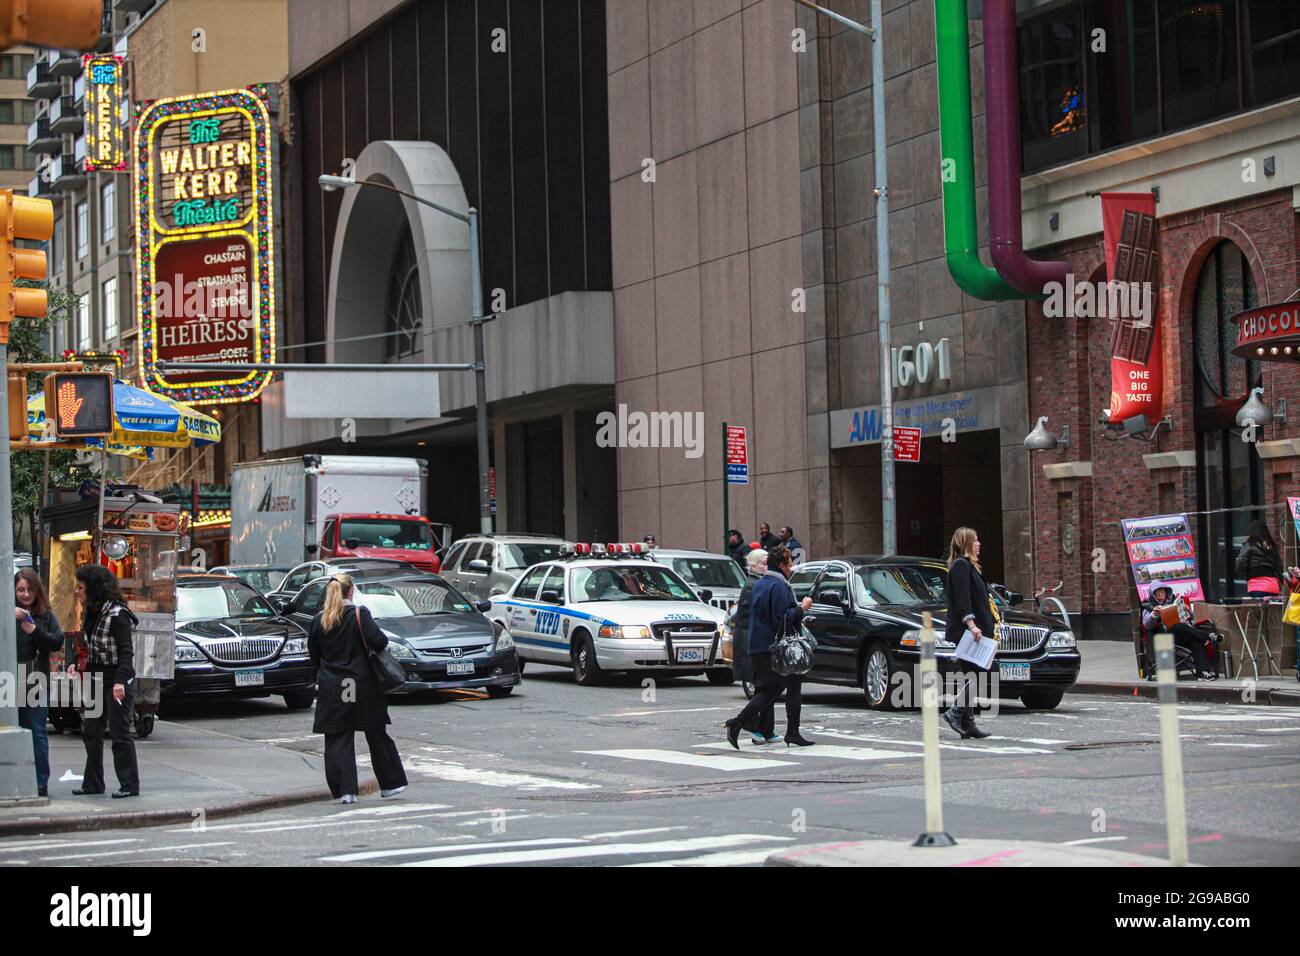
[(388, 674), (792, 654)]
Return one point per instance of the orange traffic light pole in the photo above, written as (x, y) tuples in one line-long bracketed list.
[(21, 217), (65, 24)]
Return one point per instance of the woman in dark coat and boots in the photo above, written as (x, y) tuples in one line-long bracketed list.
[(756, 566), (39, 635), (106, 626), (347, 698), (968, 609)]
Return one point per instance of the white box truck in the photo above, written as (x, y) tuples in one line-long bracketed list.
[(279, 510)]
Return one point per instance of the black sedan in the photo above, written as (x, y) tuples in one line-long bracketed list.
[(867, 619), (231, 642), (441, 638)]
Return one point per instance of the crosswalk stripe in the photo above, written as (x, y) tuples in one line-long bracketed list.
[(453, 772), (59, 844), (842, 753), (628, 833), (446, 848), (1237, 718), (965, 748), (725, 858), (727, 764), (604, 849), (139, 849)]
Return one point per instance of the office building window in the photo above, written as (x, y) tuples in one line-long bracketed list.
[(83, 229), (108, 211), (15, 65), (17, 111), (86, 338), (8, 157), (109, 306)]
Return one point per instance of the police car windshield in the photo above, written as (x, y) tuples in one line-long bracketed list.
[(901, 584), (630, 582), (516, 557), (409, 599)]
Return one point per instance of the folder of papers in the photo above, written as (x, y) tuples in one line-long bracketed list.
[(980, 653)]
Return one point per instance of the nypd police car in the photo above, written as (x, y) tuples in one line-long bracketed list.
[(603, 609)]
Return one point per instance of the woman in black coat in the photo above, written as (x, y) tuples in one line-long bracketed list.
[(39, 635), (756, 566), (106, 627), (1260, 562), (347, 698), (968, 608)]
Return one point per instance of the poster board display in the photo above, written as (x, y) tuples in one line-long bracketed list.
[(1162, 548)]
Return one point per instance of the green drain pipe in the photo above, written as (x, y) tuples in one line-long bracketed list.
[(960, 233)]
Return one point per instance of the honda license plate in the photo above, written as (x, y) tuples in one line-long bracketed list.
[(1013, 671), (460, 667), (252, 677), (690, 655)]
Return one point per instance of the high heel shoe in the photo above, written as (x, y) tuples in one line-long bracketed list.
[(797, 739), (733, 733)]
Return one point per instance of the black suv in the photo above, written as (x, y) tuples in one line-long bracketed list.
[(866, 617)]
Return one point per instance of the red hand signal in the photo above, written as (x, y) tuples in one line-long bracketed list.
[(69, 405)]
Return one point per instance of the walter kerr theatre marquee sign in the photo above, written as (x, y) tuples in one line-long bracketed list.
[(203, 193)]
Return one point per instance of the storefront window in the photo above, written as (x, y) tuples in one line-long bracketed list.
[(1228, 476), (1097, 74)]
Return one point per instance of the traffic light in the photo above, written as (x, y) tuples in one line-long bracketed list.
[(65, 24), (80, 404), (17, 406), (22, 217)]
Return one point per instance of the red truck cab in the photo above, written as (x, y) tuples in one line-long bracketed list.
[(407, 538)]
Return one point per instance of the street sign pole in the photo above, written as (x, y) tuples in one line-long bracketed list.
[(726, 492)]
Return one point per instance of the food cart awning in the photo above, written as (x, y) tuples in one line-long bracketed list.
[(1270, 333)]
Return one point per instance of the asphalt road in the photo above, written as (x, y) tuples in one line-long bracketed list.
[(564, 775)]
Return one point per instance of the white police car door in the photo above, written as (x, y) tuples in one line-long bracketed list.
[(550, 636)]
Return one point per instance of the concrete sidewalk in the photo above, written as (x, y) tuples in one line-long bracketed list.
[(183, 770), (1110, 667), (965, 853)]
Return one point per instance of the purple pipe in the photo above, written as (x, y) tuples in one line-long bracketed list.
[(1002, 95)]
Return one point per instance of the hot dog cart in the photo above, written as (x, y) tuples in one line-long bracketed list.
[(138, 539)]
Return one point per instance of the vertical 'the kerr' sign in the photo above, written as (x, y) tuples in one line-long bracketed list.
[(105, 146), (203, 205)]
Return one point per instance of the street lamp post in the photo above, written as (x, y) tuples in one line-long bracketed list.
[(470, 218), (888, 493)]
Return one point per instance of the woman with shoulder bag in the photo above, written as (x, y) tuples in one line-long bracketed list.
[(348, 696), (106, 626), (968, 609), (39, 635), (755, 567), (1260, 562), (773, 611)]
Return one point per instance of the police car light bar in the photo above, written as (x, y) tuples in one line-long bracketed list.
[(614, 549), (597, 550)]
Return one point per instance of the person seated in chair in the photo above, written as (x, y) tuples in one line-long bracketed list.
[(1193, 639)]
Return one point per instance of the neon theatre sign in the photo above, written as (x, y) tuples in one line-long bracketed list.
[(203, 207), (105, 146)]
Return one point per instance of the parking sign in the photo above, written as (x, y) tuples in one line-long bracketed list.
[(737, 455), (907, 444)]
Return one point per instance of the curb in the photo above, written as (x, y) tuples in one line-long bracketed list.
[(150, 818), (1266, 696)]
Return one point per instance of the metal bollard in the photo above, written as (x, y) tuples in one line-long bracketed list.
[(1171, 751), (934, 834)]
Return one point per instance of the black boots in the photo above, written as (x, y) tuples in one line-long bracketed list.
[(962, 720)]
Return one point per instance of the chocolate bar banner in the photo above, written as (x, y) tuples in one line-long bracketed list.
[(1161, 549), (1133, 256), (1293, 505)]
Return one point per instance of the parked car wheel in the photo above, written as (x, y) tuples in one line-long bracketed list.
[(496, 693), (721, 677), (300, 699), (586, 669), (876, 677), (1041, 699)]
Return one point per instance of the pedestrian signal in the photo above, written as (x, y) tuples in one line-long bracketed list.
[(80, 404)]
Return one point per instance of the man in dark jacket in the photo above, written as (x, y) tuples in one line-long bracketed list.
[(791, 544), (736, 547), (766, 539)]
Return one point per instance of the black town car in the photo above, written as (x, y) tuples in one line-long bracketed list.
[(231, 642), (867, 619)]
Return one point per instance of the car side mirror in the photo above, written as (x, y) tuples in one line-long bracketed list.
[(1014, 598), (282, 605), (478, 564), (706, 595), (551, 596), (483, 606), (352, 543), (313, 548)]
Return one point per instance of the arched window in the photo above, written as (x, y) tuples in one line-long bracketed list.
[(405, 316), (1228, 472)]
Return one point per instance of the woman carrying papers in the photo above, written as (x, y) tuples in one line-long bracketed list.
[(970, 612)]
